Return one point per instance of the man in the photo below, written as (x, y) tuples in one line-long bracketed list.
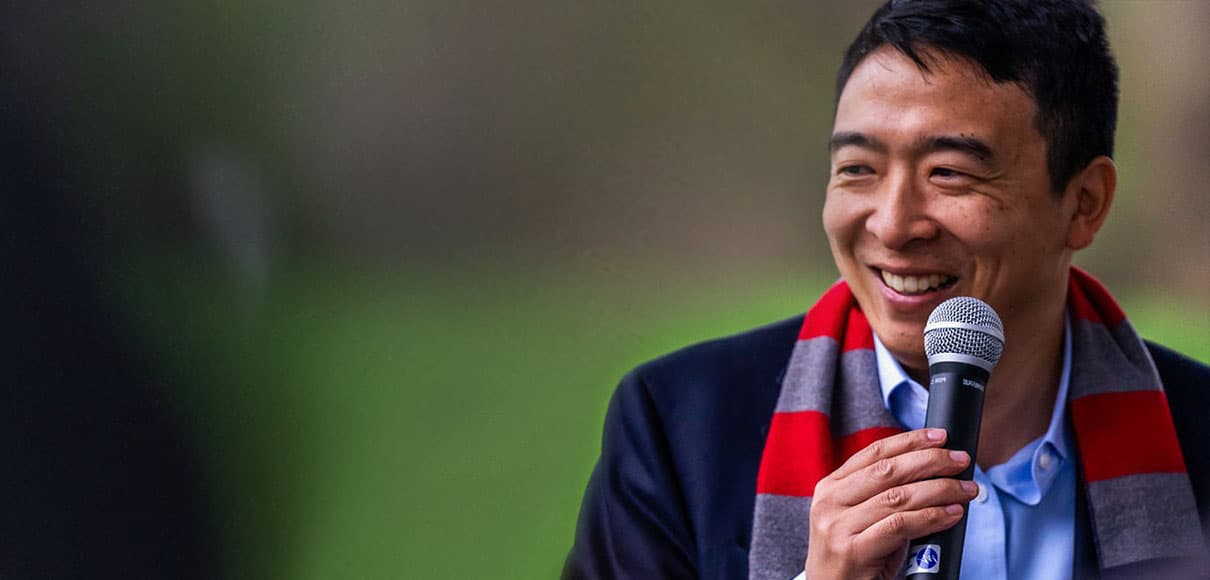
[(970, 156)]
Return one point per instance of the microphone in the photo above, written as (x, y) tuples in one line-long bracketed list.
[(963, 340)]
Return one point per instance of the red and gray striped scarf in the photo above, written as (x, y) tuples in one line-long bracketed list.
[(1140, 501)]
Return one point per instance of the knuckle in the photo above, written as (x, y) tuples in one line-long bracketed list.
[(939, 462), (877, 448), (894, 497), (896, 523), (848, 550), (936, 488), (938, 515), (818, 513), (823, 527), (884, 468)]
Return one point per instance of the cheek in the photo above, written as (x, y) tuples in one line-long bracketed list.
[(983, 227), (1035, 231), (1013, 242), (840, 218)]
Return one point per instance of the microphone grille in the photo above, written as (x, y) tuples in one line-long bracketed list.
[(966, 327)]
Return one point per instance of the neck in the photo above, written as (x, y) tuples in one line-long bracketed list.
[(1020, 395)]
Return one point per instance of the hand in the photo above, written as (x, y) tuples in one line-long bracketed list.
[(864, 514)]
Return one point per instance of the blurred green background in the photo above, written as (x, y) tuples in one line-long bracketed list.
[(394, 256)]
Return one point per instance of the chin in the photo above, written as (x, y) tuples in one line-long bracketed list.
[(904, 340)]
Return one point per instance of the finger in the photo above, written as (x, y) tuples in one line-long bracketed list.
[(910, 497), (890, 447), (890, 472), (890, 533)]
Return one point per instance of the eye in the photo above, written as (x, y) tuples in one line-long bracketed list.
[(855, 170), (948, 176)]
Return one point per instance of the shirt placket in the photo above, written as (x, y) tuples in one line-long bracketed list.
[(983, 553)]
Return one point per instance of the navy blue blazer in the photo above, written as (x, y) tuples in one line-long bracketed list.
[(672, 494)]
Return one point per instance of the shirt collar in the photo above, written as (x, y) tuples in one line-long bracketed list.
[(1023, 475), (1056, 433), (891, 375)]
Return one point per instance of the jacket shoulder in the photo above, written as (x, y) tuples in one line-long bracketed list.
[(1187, 387), (1186, 380), (672, 494)]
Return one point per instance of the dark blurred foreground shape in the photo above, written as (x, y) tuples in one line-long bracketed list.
[(96, 480)]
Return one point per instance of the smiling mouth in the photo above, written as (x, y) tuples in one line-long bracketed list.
[(916, 285)]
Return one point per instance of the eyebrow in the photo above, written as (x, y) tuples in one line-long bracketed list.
[(972, 146), (855, 139), (961, 144)]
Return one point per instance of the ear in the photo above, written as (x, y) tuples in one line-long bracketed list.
[(1093, 189)]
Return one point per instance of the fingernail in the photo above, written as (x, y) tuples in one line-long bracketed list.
[(953, 509), (958, 456), (969, 486), (935, 434)]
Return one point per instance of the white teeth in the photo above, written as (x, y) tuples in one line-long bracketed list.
[(914, 284)]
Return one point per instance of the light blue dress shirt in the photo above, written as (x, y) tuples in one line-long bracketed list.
[(1022, 523)]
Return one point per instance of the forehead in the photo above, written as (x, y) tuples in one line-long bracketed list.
[(888, 94)]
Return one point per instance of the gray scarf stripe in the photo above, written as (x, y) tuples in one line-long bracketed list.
[(779, 544)]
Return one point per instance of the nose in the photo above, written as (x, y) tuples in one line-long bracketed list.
[(900, 215)]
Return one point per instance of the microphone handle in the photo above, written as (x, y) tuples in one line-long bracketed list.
[(956, 405)]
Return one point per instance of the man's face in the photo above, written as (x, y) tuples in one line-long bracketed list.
[(939, 188)]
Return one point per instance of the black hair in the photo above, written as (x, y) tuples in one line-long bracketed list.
[(1056, 50)]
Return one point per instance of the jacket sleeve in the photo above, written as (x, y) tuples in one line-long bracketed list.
[(632, 521)]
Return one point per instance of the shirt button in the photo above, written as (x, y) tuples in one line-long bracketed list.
[(1045, 460), (982, 496)]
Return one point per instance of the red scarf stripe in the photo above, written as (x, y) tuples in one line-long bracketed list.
[(797, 454), (798, 472), (828, 316), (1149, 445), (1088, 300), (838, 316), (850, 444), (857, 333)]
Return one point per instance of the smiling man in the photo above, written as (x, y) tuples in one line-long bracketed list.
[(970, 156)]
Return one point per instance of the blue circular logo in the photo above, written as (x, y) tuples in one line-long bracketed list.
[(927, 558)]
